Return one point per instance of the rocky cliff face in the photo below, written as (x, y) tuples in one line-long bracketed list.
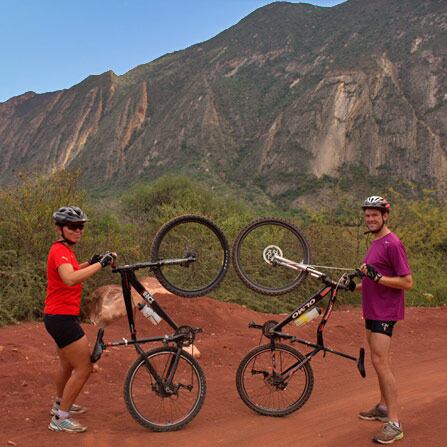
[(291, 90)]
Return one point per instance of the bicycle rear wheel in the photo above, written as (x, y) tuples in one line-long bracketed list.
[(263, 384), (153, 408), (195, 236), (253, 243)]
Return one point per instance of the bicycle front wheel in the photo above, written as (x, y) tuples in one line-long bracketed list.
[(269, 383), (150, 404), (259, 240), (196, 237)]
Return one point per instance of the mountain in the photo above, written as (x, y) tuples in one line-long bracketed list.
[(290, 95)]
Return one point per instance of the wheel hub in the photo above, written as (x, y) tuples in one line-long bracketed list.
[(270, 252)]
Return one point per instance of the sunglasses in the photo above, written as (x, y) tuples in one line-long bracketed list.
[(74, 227)]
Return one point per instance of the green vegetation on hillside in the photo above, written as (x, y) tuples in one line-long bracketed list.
[(127, 225)]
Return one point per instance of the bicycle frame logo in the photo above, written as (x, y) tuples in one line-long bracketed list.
[(148, 297), (303, 308), (311, 302)]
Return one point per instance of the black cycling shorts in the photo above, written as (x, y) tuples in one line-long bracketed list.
[(65, 329), (380, 327)]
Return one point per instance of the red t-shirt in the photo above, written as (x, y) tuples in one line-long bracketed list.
[(61, 299)]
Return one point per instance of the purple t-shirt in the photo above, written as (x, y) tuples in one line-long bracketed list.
[(389, 258)]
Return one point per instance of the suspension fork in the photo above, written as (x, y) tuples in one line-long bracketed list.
[(165, 381), (285, 375), (291, 370), (173, 363)]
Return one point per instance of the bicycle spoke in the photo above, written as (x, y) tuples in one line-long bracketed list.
[(174, 403), (255, 245), (191, 236), (262, 387)]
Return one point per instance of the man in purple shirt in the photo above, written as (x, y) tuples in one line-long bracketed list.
[(387, 275)]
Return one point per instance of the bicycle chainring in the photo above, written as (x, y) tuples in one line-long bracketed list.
[(267, 328), (188, 336)]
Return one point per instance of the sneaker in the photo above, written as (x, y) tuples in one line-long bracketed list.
[(375, 414), (74, 409), (389, 433), (68, 424)]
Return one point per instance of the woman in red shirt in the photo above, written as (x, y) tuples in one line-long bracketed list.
[(62, 310)]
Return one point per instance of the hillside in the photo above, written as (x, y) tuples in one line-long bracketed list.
[(290, 96)]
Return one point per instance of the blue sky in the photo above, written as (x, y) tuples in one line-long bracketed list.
[(48, 45)]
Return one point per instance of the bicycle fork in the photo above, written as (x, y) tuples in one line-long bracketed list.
[(165, 382)]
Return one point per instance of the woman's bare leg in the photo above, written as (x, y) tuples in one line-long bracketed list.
[(77, 357)]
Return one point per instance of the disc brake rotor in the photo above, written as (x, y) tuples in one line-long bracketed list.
[(270, 252)]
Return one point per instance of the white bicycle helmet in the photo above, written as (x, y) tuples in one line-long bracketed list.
[(378, 203)]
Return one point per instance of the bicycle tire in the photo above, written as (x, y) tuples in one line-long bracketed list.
[(268, 398), (196, 234), (254, 271), (161, 413)]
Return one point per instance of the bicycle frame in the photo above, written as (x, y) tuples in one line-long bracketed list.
[(129, 280), (330, 288)]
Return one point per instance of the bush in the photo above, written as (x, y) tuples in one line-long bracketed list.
[(26, 233), (335, 235), (22, 288)]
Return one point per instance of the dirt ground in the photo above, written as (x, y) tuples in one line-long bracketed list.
[(329, 418)]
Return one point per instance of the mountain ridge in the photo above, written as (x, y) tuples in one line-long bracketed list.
[(290, 90)]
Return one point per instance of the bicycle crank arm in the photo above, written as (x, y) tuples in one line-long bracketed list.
[(253, 325)]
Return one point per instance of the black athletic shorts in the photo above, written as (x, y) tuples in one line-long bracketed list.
[(380, 327), (65, 329)]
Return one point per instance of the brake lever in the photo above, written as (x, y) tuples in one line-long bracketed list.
[(359, 273), (348, 278)]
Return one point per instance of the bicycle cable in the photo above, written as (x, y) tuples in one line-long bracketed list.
[(331, 268)]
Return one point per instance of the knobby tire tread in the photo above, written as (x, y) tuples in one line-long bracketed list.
[(263, 411), (161, 234), (200, 375), (246, 279)]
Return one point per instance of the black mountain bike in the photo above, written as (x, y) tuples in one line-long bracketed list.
[(275, 379), (165, 387)]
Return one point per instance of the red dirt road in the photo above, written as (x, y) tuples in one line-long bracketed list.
[(329, 418)]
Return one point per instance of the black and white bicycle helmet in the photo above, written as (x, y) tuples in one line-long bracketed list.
[(69, 214), (378, 203)]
